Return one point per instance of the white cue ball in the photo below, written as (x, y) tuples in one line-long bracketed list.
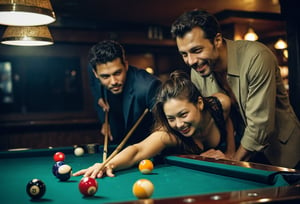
[(78, 151)]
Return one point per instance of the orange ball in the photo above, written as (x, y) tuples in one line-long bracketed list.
[(143, 189), (146, 166)]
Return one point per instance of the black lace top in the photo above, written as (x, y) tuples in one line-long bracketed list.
[(216, 110)]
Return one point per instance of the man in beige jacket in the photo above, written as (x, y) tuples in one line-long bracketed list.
[(248, 72)]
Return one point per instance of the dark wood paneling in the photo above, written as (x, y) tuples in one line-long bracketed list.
[(44, 134)]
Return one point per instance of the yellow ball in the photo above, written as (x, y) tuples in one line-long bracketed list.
[(146, 166), (143, 189)]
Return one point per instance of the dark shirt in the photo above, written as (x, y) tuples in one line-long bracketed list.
[(125, 109), (116, 114)]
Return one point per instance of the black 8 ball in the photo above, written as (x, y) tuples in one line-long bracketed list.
[(36, 188)]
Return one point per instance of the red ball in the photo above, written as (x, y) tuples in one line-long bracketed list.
[(88, 186), (59, 156)]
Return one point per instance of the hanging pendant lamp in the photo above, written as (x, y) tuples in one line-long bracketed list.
[(27, 36), (26, 12)]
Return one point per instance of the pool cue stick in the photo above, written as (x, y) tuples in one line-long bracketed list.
[(105, 136), (120, 146)]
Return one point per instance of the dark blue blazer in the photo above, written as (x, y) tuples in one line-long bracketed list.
[(138, 94)]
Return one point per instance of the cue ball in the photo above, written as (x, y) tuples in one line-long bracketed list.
[(59, 156), (36, 188), (64, 172), (88, 186), (146, 166), (143, 189), (78, 151)]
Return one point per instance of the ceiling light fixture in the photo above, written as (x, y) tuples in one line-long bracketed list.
[(280, 44), (27, 36), (251, 35), (26, 12)]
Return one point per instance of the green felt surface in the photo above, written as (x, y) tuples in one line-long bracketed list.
[(169, 180)]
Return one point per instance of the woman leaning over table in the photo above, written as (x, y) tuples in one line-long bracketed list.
[(186, 123)]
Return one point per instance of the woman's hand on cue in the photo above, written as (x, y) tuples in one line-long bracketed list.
[(95, 171)]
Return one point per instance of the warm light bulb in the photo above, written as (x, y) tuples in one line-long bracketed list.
[(280, 44), (149, 70), (251, 35), (286, 53)]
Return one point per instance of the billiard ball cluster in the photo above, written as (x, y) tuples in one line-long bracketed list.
[(59, 169), (142, 188), (36, 188)]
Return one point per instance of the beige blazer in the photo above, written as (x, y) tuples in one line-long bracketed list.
[(254, 77)]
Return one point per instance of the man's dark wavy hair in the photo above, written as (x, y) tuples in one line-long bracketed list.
[(196, 18), (106, 51)]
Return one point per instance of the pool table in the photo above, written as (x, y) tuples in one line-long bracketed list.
[(177, 179)]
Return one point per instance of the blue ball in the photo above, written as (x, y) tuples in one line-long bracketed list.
[(55, 167)]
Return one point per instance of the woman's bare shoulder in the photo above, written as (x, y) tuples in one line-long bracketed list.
[(225, 101)]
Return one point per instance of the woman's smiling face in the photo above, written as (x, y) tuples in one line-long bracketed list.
[(183, 116)]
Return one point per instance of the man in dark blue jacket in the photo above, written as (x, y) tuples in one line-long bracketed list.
[(125, 91)]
